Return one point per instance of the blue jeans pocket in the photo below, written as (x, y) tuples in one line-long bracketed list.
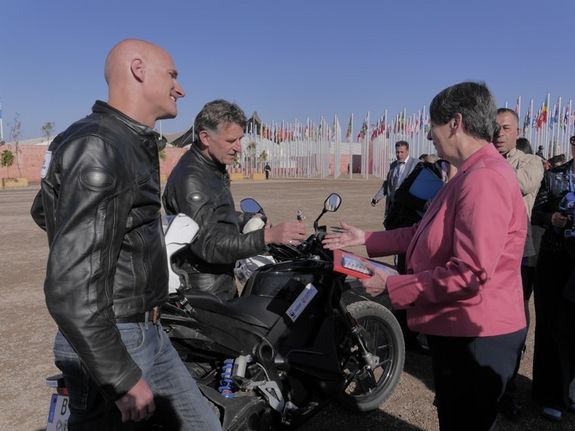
[(133, 335)]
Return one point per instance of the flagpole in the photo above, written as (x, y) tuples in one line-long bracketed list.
[(548, 104), (367, 136), (530, 125), (569, 120), (350, 149), (1, 125), (559, 142)]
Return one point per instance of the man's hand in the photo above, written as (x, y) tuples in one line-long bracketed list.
[(138, 403), (559, 220), (373, 202), (285, 233)]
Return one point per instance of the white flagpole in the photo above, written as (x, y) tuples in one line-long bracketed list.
[(557, 122), (337, 152), (530, 125), (366, 174), (1, 125), (570, 120), (547, 124), (350, 161)]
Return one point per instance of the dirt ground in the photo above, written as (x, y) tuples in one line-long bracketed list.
[(27, 330)]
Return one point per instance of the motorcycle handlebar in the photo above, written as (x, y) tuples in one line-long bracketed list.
[(311, 247)]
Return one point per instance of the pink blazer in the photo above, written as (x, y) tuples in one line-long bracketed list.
[(464, 257)]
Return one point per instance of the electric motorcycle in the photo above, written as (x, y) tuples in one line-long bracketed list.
[(296, 339)]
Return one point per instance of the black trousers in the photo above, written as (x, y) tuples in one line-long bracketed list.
[(470, 374), (527, 279), (554, 355)]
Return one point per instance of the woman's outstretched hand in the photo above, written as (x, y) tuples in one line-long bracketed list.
[(349, 235)]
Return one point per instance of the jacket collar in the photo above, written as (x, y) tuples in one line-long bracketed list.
[(510, 153), (485, 151), (208, 162), (101, 107)]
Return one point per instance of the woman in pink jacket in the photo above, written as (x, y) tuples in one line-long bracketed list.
[(463, 286)]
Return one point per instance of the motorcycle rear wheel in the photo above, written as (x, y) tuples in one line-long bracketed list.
[(368, 387)]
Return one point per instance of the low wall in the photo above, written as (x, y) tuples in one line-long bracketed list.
[(31, 158)]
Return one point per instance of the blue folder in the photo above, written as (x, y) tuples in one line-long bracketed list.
[(426, 185)]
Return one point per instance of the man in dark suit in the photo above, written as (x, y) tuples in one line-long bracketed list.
[(398, 171)]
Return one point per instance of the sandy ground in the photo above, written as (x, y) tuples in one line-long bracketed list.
[(27, 330)]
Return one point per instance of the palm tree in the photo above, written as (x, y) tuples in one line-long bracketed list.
[(47, 130)]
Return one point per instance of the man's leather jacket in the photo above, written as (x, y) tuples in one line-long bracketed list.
[(200, 188), (553, 187), (100, 206)]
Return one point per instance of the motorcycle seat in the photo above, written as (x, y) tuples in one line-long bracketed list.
[(253, 310)]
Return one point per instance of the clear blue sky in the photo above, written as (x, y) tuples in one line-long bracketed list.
[(286, 59)]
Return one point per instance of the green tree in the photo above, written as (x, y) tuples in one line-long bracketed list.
[(47, 129), (251, 154), (263, 157), (6, 159)]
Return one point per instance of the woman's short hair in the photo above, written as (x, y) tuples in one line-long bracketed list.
[(473, 101)]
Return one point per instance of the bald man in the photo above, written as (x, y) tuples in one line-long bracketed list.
[(106, 274), (529, 173)]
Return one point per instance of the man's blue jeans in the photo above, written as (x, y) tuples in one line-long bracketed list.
[(179, 403)]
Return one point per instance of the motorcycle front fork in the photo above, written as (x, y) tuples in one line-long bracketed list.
[(355, 330)]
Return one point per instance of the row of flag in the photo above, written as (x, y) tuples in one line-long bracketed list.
[(561, 116)]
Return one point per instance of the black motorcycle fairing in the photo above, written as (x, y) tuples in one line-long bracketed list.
[(275, 279), (251, 310)]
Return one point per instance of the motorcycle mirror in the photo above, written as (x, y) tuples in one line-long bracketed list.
[(331, 204), (250, 205)]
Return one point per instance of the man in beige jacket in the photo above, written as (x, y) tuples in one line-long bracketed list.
[(529, 172)]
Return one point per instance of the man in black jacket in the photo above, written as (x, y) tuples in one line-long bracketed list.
[(107, 274), (199, 186), (554, 291)]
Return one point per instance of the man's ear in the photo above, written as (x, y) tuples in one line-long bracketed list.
[(137, 69), (204, 138)]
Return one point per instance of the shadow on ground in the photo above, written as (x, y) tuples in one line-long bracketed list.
[(335, 418)]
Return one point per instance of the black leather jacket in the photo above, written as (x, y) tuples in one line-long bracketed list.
[(200, 188), (100, 206), (553, 187)]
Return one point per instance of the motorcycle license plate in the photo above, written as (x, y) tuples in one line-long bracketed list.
[(301, 302), (58, 414)]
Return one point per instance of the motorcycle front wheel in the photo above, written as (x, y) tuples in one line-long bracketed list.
[(371, 379)]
